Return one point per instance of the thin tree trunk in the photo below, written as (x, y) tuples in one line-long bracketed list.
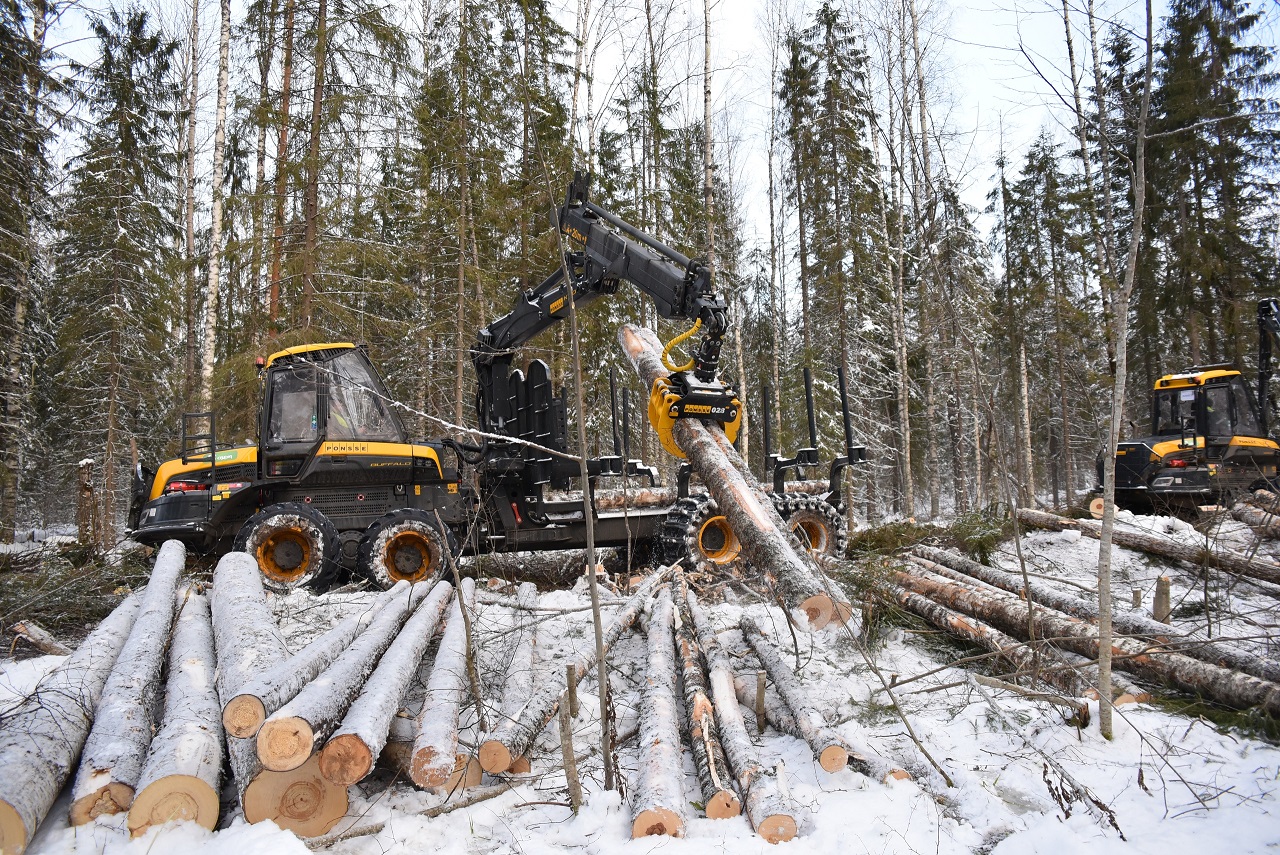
[(189, 202), (282, 175), (215, 230), (311, 199)]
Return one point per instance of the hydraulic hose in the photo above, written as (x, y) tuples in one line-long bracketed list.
[(671, 345)]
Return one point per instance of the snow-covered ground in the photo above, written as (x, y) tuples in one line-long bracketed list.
[(1171, 782)]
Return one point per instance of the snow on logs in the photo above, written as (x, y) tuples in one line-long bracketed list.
[(659, 797), (766, 808), (765, 538), (289, 736), (1216, 652), (435, 749), (124, 722), (1010, 614), (248, 642), (270, 689), (513, 736), (349, 755), (718, 797), (42, 736), (1156, 545), (518, 683), (184, 768)]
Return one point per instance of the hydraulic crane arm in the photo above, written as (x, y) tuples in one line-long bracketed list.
[(613, 250)]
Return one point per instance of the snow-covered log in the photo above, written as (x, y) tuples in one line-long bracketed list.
[(292, 733), (1134, 623), (1007, 612), (518, 683), (124, 722), (513, 736), (832, 751), (767, 809), (41, 737), (435, 750), (718, 797), (184, 769), (351, 751), (1123, 690), (658, 804), (274, 687), (766, 540), (300, 800), (1157, 545)]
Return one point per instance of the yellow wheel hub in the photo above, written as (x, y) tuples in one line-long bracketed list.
[(284, 555), (411, 556), (717, 542)]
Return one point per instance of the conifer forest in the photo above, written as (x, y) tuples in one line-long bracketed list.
[(189, 186)]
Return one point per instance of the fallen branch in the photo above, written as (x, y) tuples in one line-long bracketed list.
[(39, 638)]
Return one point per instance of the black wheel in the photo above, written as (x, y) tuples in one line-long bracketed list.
[(295, 546), (404, 545), (695, 529), (817, 524)]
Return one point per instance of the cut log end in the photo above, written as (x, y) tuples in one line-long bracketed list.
[(897, 775), (425, 772), (301, 800), (778, 828), (819, 610), (181, 798), (284, 744), (13, 831), (833, 758), (345, 760), (723, 805), (495, 757), (110, 799), (657, 821), (243, 715), (520, 766), (467, 773)]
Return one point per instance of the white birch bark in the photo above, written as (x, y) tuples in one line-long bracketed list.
[(658, 807), (124, 722), (41, 737), (184, 769), (354, 747), (291, 734), (435, 750), (215, 230), (518, 685)]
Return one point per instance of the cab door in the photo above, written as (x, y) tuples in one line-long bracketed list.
[(290, 431)]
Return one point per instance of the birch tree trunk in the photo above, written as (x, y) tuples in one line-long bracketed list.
[(311, 196), (658, 801), (282, 175), (189, 200), (215, 227), (124, 722), (41, 737), (435, 751)]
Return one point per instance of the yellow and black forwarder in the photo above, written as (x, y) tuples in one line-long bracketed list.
[(1209, 437), (334, 482)]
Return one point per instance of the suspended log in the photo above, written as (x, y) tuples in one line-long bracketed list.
[(124, 722), (1156, 545), (766, 540), (832, 750), (300, 800), (350, 753), (1263, 522), (659, 800), (513, 736), (718, 797), (41, 737), (768, 811), (435, 750), (271, 689), (1232, 688), (292, 733), (1215, 652), (39, 638), (181, 778)]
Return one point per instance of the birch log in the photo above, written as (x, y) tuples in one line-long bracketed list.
[(766, 540), (124, 722), (435, 750), (766, 808), (1215, 652), (41, 737), (291, 734), (276, 686), (518, 685), (659, 801), (1157, 545), (718, 797), (350, 753), (513, 736), (184, 770), (1010, 614)]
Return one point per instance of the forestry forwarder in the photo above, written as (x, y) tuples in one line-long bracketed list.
[(1209, 437), (335, 483)]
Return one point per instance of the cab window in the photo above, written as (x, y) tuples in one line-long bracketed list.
[(356, 409), (1246, 419), (1175, 412), (293, 404), (1217, 409)]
